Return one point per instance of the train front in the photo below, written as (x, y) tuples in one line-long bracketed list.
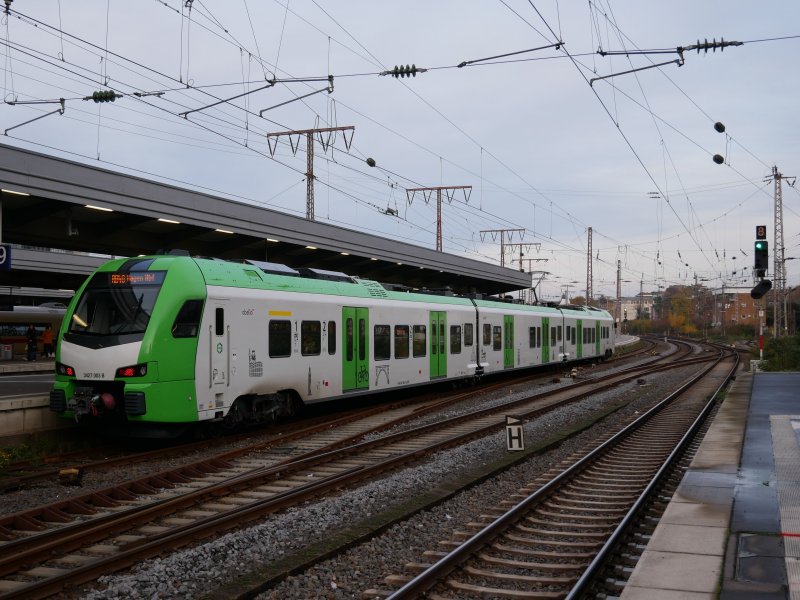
[(127, 345)]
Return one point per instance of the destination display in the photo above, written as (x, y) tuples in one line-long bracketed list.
[(137, 278)]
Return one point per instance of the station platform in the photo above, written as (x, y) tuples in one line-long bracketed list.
[(732, 529), (14, 367)]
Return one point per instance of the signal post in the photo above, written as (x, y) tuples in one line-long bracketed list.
[(760, 266)]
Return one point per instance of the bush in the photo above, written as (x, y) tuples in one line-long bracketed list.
[(782, 354)]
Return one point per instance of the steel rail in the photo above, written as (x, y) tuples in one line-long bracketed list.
[(608, 548), (34, 519), (107, 463), (451, 561), (70, 539)]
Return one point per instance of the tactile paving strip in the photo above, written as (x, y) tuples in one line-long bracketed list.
[(786, 450)]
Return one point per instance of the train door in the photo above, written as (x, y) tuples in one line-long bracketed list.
[(597, 338), (581, 333), (545, 340), (508, 341), (219, 347), (438, 344), (355, 348)]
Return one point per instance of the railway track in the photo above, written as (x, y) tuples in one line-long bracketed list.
[(23, 473), (554, 538), (43, 559)]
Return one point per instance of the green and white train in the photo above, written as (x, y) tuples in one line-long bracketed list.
[(172, 340)]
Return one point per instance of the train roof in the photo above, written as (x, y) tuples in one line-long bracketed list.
[(271, 276)]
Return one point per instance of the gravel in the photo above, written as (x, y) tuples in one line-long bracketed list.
[(201, 569), (47, 491)]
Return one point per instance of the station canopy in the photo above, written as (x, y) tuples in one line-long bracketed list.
[(65, 218)]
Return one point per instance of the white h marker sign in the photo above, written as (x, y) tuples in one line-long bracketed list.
[(514, 434)]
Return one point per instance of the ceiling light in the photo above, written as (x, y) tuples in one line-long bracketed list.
[(99, 208), (400, 263), (344, 253), (271, 240), (223, 231), (373, 258), (311, 247), (169, 221), (14, 192)]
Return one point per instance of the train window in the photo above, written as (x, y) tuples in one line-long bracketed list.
[(574, 335), (362, 339), (441, 338), (487, 334), (552, 336), (331, 337), (310, 338), (559, 332), (497, 338), (532, 337), (280, 339), (219, 321), (188, 320), (455, 339), (538, 337), (383, 342), (401, 341), (468, 334), (420, 341), (348, 341), (593, 336)]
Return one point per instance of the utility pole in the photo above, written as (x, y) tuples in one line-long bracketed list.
[(449, 191), (502, 233), (309, 133), (619, 292), (641, 300), (526, 248), (779, 269), (530, 262), (589, 291)]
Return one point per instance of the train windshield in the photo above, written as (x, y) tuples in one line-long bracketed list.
[(117, 304)]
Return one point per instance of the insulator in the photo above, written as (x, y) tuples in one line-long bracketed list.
[(718, 159), (720, 127)]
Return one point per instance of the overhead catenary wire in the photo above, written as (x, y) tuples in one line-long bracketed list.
[(287, 11)]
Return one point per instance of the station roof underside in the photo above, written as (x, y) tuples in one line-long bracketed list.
[(54, 216)]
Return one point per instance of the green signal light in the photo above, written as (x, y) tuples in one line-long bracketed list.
[(760, 245)]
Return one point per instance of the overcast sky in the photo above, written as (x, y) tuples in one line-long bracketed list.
[(544, 151)]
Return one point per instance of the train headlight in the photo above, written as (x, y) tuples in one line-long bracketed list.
[(64, 370), (139, 370)]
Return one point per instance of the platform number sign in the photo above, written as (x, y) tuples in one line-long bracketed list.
[(514, 434), (5, 257), (761, 232)]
